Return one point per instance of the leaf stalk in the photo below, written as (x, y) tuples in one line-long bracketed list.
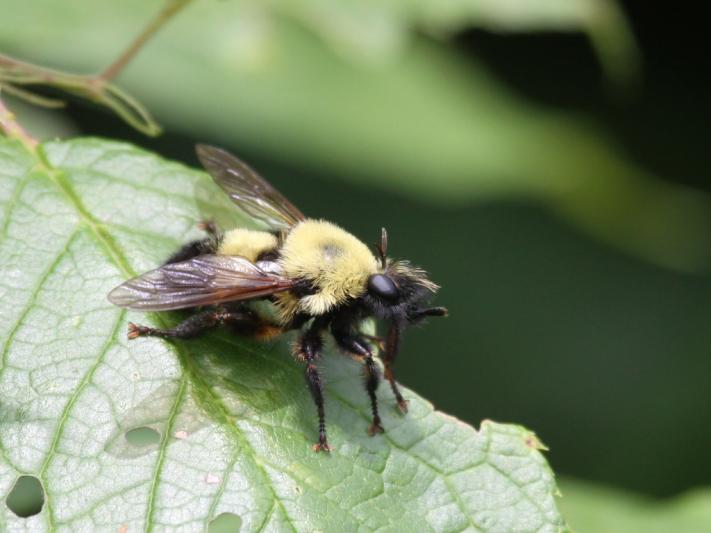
[(11, 128), (96, 88)]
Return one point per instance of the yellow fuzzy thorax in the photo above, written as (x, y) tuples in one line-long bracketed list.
[(336, 263), (247, 243)]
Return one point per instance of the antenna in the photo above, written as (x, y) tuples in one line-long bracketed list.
[(383, 247)]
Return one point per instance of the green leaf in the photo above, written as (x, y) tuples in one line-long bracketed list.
[(149, 434), (591, 508), (377, 31)]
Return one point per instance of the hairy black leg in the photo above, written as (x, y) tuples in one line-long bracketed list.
[(372, 380), (356, 344), (309, 350), (196, 325), (392, 343)]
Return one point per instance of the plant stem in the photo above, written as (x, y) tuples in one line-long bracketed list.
[(11, 128), (36, 73), (168, 11), (14, 72), (97, 88)]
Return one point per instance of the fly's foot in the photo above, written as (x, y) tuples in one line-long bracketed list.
[(402, 405), (322, 446), (135, 330), (375, 428)]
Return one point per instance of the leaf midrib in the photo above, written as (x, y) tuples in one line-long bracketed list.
[(162, 447), (217, 404)]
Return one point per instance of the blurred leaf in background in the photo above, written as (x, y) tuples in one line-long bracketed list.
[(426, 122), (379, 32), (591, 509)]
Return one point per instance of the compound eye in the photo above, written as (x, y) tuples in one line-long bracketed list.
[(382, 286)]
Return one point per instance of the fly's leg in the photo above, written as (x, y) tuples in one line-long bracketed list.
[(392, 343), (308, 349), (200, 323), (357, 345), (372, 380)]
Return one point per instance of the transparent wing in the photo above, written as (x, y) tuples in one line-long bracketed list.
[(247, 189), (202, 280)]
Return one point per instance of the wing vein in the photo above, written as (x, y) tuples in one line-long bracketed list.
[(248, 190)]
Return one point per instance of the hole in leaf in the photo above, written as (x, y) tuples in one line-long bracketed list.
[(225, 523), (142, 437), (27, 497)]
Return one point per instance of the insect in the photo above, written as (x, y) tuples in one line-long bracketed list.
[(316, 277)]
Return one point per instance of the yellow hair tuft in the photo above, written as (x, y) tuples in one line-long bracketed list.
[(247, 243)]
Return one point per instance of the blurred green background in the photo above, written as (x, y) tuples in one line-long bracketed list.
[(545, 161)]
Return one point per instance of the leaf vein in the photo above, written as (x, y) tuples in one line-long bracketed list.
[(160, 460), (221, 489), (234, 428), (14, 199), (88, 376), (32, 300)]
